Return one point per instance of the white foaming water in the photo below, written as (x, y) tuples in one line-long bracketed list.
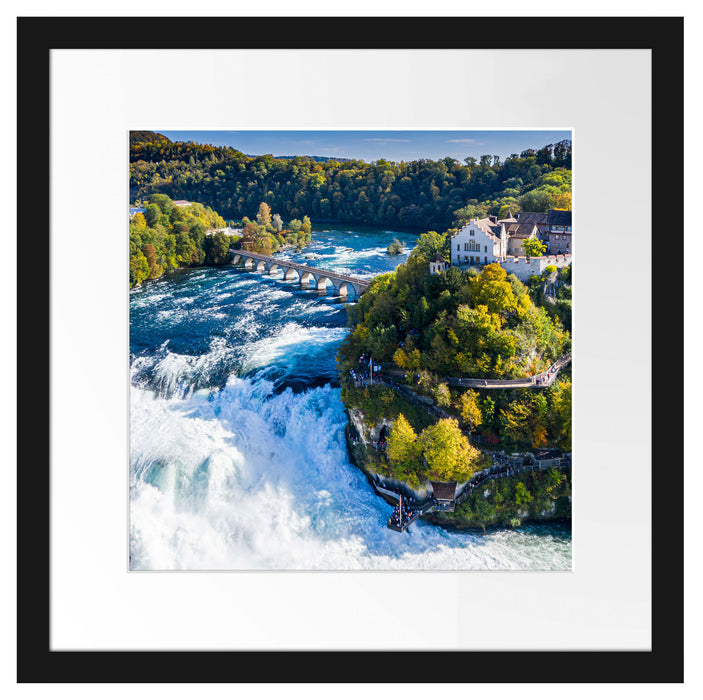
[(241, 478), (290, 342), (245, 477), (175, 374)]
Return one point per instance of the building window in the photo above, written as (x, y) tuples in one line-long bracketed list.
[(458, 247), (466, 257), (485, 259), (471, 232)]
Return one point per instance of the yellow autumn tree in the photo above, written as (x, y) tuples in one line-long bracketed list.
[(540, 436), (441, 395), (447, 451), (264, 215), (404, 452), (469, 410), (400, 358)]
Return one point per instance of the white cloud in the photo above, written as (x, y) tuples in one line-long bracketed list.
[(388, 140), (478, 143)]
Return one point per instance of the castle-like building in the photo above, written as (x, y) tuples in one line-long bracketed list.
[(493, 240)]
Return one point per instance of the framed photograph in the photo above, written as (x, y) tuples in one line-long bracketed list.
[(307, 298), (312, 382)]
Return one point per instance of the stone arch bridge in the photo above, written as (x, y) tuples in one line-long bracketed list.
[(311, 277)]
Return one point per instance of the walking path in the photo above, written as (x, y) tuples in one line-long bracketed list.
[(502, 465), (537, 381), (500, 471)]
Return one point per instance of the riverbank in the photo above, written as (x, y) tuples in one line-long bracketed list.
[(173, 270), (530, 496), (513, 501), (453, 526), (238, 458)]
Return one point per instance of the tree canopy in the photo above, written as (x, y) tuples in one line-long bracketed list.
[(534, 247), (466, 323), (167, 237), (441, 452), (448, 454), (420, 194)]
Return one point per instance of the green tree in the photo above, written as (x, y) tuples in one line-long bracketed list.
[(514, 420), (217, 249), (395, 248), (522, 495), (483, 511), (153, 214), (560, 393), (431, 243), (488, 407), (421, 313), (164, 202), (534, 248), (427, 194)]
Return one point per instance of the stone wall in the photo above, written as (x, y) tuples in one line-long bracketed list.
[(523, 268)]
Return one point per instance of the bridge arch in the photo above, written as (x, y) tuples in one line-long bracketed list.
[(308, 279), (323, 282), (311, 278), (345, 288)]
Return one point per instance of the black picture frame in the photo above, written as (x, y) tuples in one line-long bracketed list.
[(37, 36)]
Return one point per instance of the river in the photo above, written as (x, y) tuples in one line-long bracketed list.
[(237, 450)]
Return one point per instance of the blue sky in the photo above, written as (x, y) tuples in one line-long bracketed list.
[(372, 145)]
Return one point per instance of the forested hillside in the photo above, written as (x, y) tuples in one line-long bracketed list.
[(147, 137), (167, 237), (456, 323), (459, 324), (422, 194)]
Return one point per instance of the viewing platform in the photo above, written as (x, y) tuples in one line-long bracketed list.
[(402, 517), (446, 496)]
